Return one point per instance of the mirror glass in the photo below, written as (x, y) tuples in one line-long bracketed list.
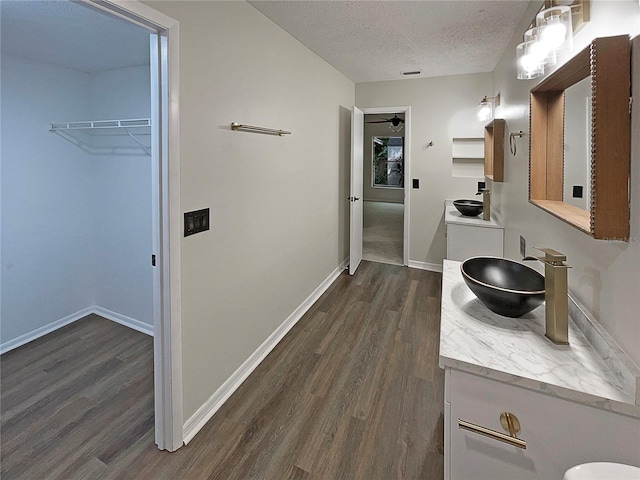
[(577, 144)]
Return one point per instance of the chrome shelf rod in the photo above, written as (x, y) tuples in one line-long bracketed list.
[(251, 128)]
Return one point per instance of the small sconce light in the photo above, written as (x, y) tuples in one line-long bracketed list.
[(486, 106)]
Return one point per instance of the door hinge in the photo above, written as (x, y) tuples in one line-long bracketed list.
[(153, 260)]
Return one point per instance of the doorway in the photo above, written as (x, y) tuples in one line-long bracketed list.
[(385, 190), (163, 218)]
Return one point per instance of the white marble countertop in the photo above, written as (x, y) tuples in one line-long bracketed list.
[(451, 215), (515, 350)]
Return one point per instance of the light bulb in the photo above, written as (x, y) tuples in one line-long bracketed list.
[(529, 64), (555, 27), (553, 35), (538, 51)]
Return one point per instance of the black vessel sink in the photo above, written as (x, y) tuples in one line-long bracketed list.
[(506, 287), (468, 208)]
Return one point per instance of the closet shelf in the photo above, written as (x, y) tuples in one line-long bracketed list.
[(108, 137)]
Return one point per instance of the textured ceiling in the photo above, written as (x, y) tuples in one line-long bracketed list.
[(377, 40), (69, 35), (365, 40)]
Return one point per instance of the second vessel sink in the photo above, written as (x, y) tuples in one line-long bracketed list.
[(505, 287), (468, 208)]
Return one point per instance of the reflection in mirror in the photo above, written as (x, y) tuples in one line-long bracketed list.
[(577, 144)]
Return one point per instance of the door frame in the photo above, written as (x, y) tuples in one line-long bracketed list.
[(406, 109), (166, 223)]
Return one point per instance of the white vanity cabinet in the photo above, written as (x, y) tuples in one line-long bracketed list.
[(558, 433), (464, 241), (576, 403), (472, 236)]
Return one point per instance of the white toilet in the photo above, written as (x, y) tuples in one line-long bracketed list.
[(602, 471)]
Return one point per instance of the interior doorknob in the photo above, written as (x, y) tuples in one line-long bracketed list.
[(353, 199)]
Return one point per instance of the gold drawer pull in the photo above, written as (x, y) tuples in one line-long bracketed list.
[(506, 418)]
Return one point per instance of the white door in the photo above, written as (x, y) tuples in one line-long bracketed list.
[(355, 198)]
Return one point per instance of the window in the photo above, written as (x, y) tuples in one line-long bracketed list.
[(388, 162)]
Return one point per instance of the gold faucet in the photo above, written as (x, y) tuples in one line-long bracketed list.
[(486, 203), (555, 295)]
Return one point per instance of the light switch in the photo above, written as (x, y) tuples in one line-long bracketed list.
[(196, 221)]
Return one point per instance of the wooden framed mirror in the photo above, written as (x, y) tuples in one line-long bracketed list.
[(607, 61)]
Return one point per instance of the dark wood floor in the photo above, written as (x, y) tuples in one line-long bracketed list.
[(352, 392)]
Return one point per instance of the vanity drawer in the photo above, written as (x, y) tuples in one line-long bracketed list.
[(558, 433)]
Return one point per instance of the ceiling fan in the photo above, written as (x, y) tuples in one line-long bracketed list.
[(395, 121)]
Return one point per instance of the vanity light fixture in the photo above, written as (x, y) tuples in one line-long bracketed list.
[(538, 51), (551, 32), (486, 106)]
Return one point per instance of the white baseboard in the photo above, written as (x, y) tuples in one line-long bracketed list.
[(103, 312), (432, 267), (123, 320), (198, 420), (40, 332)]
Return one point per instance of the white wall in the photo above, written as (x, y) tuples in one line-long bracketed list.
[(441, 108), (76, 228), (124, 277), (279, 223), (370, 193), (47, 271), (605, 275)]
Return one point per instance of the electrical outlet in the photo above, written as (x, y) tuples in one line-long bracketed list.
[(577, 191), (523, 247)]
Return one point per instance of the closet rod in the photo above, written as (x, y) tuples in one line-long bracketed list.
[(251, 128)]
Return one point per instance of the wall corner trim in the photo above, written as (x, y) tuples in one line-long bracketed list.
[(123, 320), (40, 332), (432, 267), (198, 420), (63, 322)]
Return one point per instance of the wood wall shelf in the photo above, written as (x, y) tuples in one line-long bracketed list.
[(607, 60), (494, 150)]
